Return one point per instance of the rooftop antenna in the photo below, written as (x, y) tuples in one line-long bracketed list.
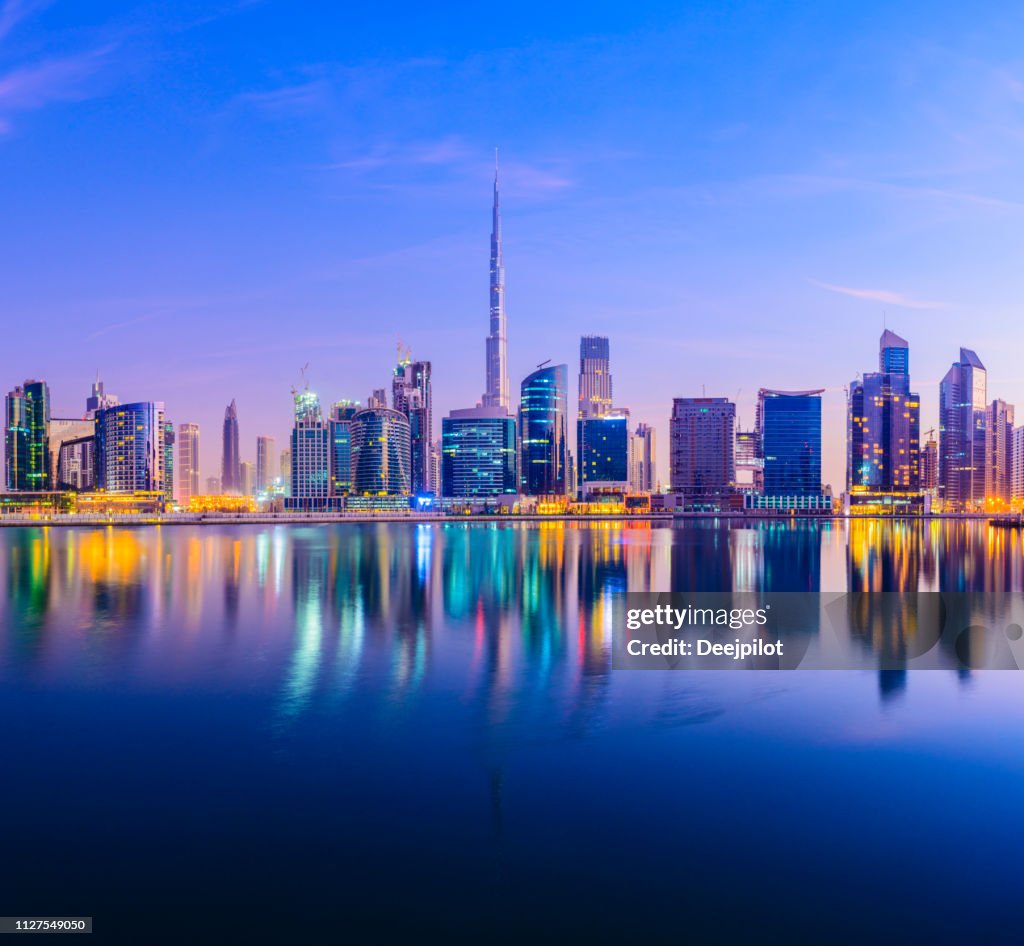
[(543, 363)]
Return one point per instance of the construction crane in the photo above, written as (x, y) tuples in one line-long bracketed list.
[(305, 380)]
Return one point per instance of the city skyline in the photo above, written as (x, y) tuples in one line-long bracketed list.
[(716, 238)]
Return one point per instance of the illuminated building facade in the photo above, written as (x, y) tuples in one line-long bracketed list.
[(749, 463), (478, 454), (603, 446), (542, 432), (999, 452), (169, 459), (702, 450), (1017, 477), (231, 471), (310, 458), (341, 446), (26, 438), (930, 465), (411, 395), (963, 420), (789, 431), (380, 453), (130, 448), (883, 426), (595, 391), (187, 462)]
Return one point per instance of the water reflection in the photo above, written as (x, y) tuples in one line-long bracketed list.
[(514, 617)]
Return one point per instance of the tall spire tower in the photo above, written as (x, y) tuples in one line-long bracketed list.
[(497, 394)]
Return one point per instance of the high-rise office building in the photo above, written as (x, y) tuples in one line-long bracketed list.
[(930, 465), (99, 399), (643, 469), (169, 461), (230, 470), (188, 462), (26, 438), (497, 393), (378, 400), (380, 453), (341, 446), (963, 415), (130, 448), (542, 432), (702, 450), (1017, 479), (999, 451), (411, 395), (603, 452), (595, 389), (478, 454), (266, 463), (247, 470), (883, 426), (789, 430), (310, 457)]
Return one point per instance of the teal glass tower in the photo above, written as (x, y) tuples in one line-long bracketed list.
[(542, 470)]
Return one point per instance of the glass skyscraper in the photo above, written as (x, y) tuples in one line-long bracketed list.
[(478, 454), (130, 448), (231, 471), (542, 462), (963, 415), (603, 449), (26, 438), (411, 395), (789, 428), (595, 394), (266, 461), (310, 458), (188, 462), (380, 453), (341, 446), (883, 425)]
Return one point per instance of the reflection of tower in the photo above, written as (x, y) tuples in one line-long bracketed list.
[(702, 557), (792, 556)]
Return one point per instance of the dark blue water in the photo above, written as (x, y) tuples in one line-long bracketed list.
[(376, 733)]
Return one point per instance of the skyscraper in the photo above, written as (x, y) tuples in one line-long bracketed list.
[(963, 413), (99, 399), (1018, 464), (497, 393), (542, 435), (380, 453), (248, 477), (341, 446), (188, 462), (26, 438), (63, 430), (789, 430), (595, 395), (603, 448), (930, 465), (478, 454), (999, 451), (169, 459), (230, 471), (266, 461), (310, 457), (702, 450), (411, 395), (130, 448), (286, 469), (643, 469), (883, 426)]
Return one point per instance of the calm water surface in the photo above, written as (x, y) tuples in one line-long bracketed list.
[(368, 731)]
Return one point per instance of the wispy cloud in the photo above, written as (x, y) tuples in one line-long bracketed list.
[(32, 87), (14, 11), (885, 296)]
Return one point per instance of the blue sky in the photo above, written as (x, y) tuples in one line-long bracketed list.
[(199, 199)]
